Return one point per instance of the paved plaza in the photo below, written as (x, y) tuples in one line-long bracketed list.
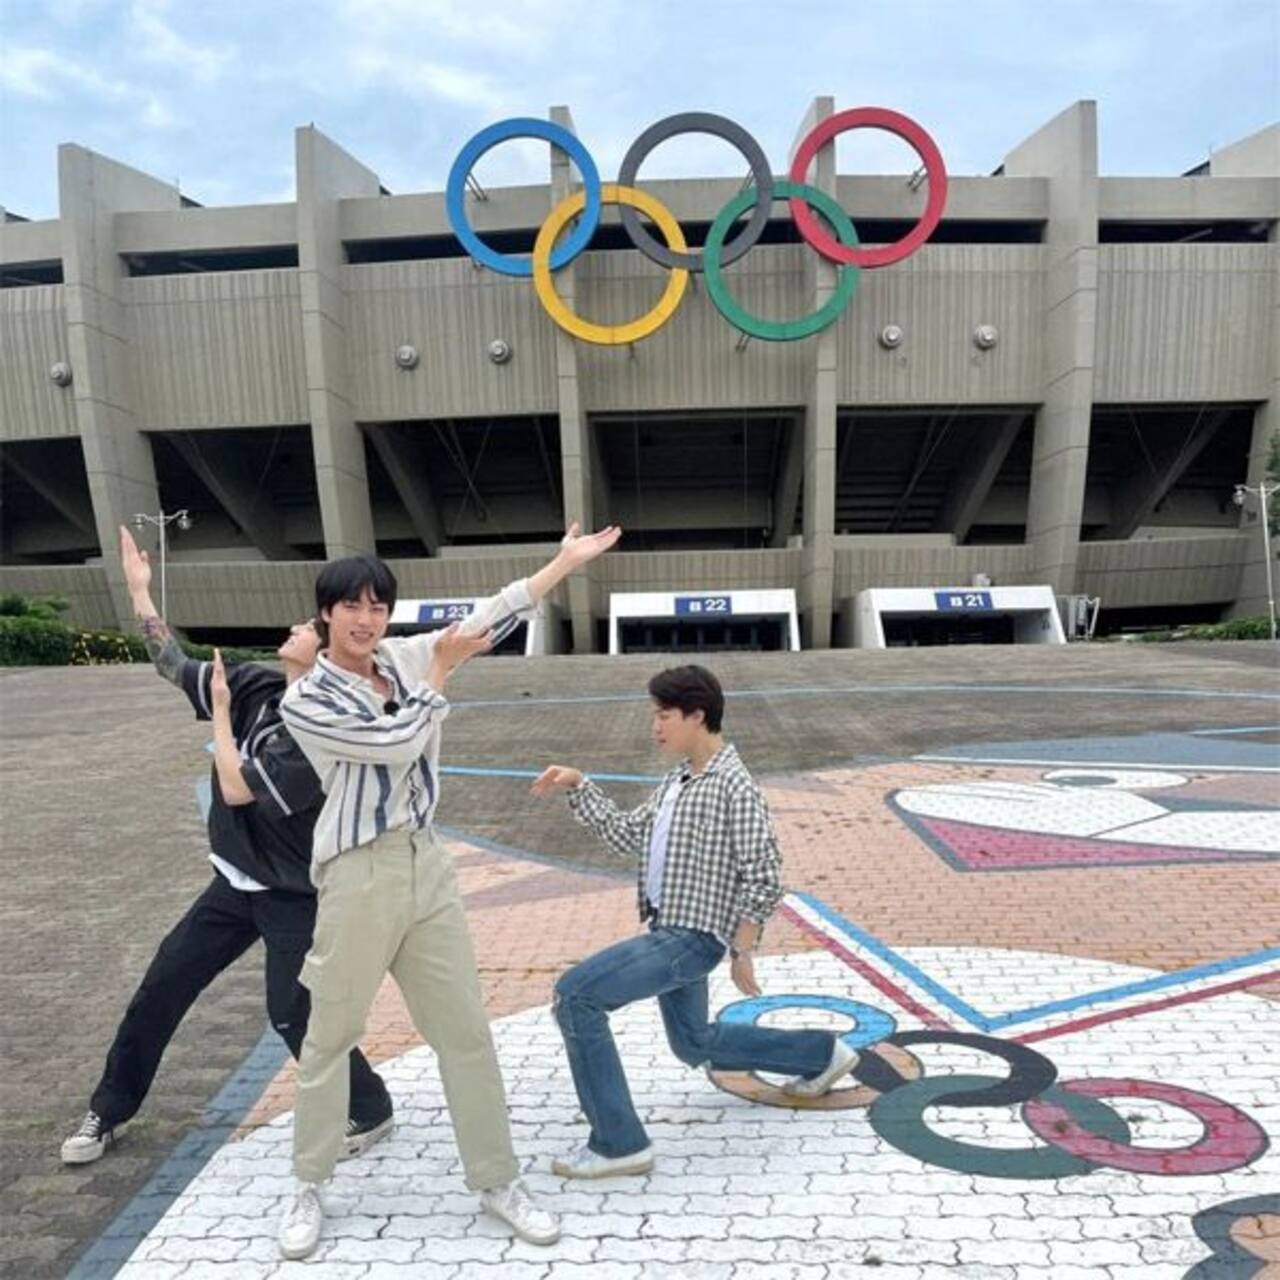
[(1042, 898)]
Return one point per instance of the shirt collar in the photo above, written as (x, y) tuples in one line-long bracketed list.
[(350, 678), (722, 758)]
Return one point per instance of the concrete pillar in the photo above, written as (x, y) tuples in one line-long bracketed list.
[(325, 175), (786, 489), (117, 456), (817, 575), (576, 455), (1065, 152), (977, 475)]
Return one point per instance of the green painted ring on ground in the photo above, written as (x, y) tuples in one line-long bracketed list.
[(739, 316), (898, 1117)]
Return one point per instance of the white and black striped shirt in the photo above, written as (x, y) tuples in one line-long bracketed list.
[(378, 760)]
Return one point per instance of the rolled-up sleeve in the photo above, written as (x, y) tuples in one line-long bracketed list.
[(282, 777), (622, 832), (756, 853)]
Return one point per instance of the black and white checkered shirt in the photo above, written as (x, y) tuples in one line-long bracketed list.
[(723, 861)]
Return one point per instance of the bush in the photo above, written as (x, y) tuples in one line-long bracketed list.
[(27, 641), (1236, 629), (47, 608), (100, 648), (205, 653)]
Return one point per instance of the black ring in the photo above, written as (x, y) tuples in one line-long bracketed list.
[(718, 127), (1030, 1073)]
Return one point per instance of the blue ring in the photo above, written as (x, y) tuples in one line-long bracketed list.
[(871, 1025), (486, 140)]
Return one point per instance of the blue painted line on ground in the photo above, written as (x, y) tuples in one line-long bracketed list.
[(221, 1118), (864, 689), (475, 771), (983, 1022)]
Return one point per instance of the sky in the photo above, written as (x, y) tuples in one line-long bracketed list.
[(208, 94)]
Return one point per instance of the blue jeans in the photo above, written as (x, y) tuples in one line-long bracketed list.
[(672, 964)]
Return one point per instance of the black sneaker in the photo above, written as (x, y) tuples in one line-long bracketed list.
[(361, 1135), (89, 1142)]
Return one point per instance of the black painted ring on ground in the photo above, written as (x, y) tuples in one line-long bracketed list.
[(1030, 1073), (898, 1117), (719, 127)]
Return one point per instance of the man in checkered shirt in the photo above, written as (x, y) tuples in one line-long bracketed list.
[(708, 878)]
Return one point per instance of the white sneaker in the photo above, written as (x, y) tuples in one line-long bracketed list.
[(89, 1142), (521, 1212), (585, 1163), (303, 1218), (843, 1060)]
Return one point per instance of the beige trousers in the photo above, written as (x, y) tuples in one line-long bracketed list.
[(393, 906)]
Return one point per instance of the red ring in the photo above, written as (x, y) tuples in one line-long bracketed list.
[(906, 129), (1230, 1138)]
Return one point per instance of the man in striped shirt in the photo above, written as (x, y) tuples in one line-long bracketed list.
[(369, 718), (708, 877)]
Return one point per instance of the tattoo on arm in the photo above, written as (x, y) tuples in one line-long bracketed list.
[(163, 649)]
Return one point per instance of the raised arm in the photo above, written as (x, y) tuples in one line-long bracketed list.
[(623, 832), (226, 755), (162, 648)]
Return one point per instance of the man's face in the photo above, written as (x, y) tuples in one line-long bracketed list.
[(356, 626), (301, 645), (675, 733)]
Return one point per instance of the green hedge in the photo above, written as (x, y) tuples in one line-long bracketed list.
[(28, 639), (1236, 629)]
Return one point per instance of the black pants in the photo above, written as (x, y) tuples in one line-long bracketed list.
[(221, 925)]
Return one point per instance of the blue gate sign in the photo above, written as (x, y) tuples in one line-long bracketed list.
[(954, 601), (444, 611), (703, 606)]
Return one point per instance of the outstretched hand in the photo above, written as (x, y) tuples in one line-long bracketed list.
[(452, 649), (557, 777), (137, 564), (219, 690), (577, 549)]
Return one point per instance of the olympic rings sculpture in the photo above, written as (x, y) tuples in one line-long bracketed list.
[(550, 253), (1081, 1131)]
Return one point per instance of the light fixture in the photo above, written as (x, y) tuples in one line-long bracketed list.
[(499, 351), (407, 356), (891, 336), (60, 374), (985, 336)]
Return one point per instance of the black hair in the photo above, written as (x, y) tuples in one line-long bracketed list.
[(689, 689), (348, 579)]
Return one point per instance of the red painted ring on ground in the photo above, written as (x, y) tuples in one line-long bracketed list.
[(1230, 1138), (905, 128)]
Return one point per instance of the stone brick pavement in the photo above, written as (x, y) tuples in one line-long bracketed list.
[(102, 850)]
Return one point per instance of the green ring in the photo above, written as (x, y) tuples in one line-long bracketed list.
[(779, 330), (898, 1117)]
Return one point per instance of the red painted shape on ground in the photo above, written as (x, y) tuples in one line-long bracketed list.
[(983, 848)]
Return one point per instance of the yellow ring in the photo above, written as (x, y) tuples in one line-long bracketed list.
[(608, 335)]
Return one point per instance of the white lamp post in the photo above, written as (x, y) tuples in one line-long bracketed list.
[(1263, 492), (183, 518)]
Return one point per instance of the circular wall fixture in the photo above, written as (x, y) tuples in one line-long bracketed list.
[(60, 374), (499, 351), (891, 336), (407, 356), (985, 336)]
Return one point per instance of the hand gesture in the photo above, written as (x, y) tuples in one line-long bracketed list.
[(557, 777), (743, 972), (577, 549), (137, 564), (219, 690), (453, 648)]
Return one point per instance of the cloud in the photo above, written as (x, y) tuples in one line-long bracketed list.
[(41, 73), (377, 68), (157, 41)]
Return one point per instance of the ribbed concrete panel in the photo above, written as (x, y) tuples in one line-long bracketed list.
[(938, 296), (858, 568), (267, 594), (450, 312), (694, 361), (218, 350), (84, 587), (33, 336), (1162, 571), (1180, 322)]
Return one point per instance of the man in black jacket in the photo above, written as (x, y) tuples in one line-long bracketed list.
[(264, 803)]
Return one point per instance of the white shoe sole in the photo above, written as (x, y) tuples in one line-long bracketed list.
[(622, 1168), (528, 1237), (357, 1146), (295, 1253), (83, 1155), (823, 1084)]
